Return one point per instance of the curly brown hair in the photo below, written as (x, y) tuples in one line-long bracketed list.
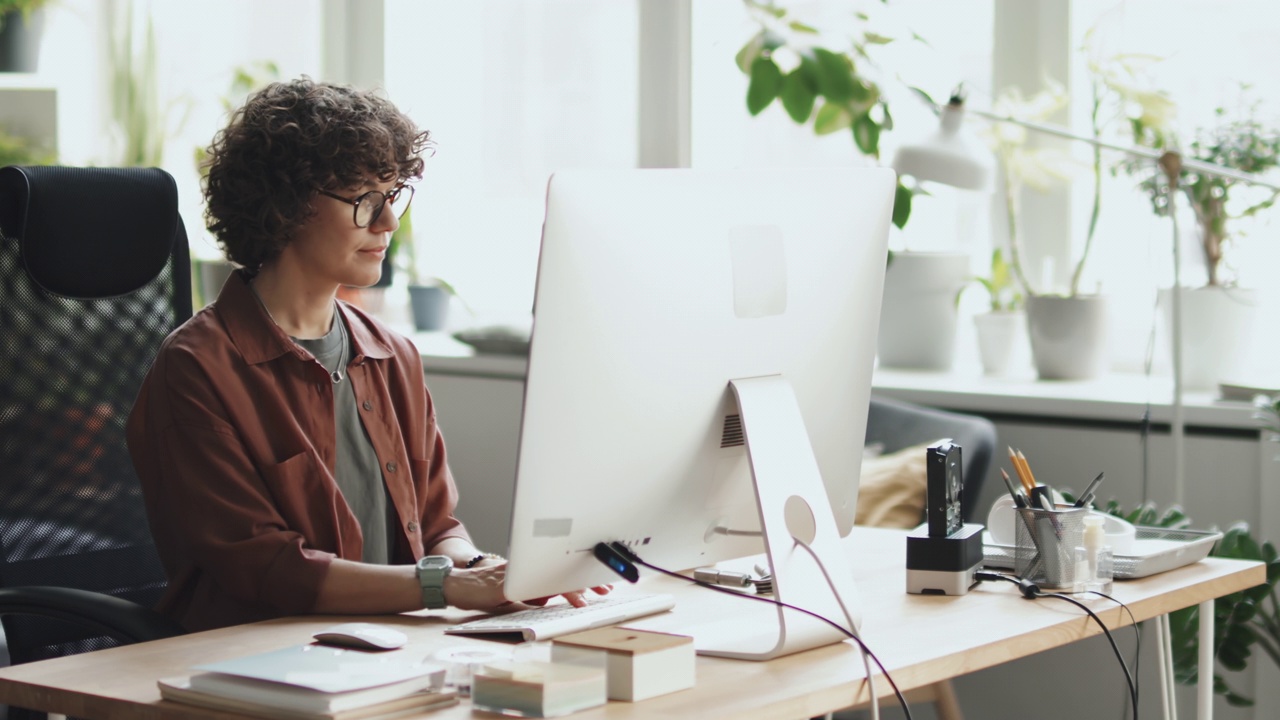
[(289, 139)]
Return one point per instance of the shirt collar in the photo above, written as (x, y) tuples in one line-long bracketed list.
[(261, 340)]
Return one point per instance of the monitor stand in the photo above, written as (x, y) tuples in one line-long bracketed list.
[(793, 503)]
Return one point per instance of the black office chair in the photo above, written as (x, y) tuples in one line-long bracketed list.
[(897, 425), (94, 273)]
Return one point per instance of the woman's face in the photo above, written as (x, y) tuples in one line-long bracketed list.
[(330, 248)]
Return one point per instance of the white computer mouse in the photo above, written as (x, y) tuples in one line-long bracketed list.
[(362, 636)]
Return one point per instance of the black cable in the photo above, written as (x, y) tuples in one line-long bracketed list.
[(1137, 634), (1031, 591), (901, 699), (1133, 686)]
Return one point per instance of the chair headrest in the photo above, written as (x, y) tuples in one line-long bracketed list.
[(90, 232)]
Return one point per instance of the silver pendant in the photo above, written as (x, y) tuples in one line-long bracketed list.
[(336, 376)]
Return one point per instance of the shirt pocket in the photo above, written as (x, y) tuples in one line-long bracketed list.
[(307, 500)]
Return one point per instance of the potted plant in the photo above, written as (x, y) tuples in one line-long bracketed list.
[(21, 27), (429, 297), (1000, 329), (830, 80), (828, 88), (18, 150), (1217, 317), (209, 273), (1068, 332)]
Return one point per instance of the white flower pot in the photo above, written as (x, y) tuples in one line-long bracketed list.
[(999, 335), (918, 316), (1068, 336), (1217, 332)]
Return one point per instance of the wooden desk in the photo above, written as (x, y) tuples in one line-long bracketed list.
[(920, 639)]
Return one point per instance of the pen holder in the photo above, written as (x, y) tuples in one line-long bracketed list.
[(1046, 543)]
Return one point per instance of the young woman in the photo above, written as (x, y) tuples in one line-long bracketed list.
[(286, 442)]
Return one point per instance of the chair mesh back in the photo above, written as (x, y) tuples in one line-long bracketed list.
[(71, 511)]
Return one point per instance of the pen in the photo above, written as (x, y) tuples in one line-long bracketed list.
[(1017, 498), (1042, 497), (1087, 496)]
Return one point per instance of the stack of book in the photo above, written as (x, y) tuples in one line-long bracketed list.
[(537, 689), (315, 682)]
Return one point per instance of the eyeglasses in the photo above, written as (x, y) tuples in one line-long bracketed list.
[(368, 207)]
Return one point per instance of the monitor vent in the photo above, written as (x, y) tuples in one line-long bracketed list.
[(732, 436)]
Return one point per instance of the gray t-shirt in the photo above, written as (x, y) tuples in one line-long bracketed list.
[(358, 472)]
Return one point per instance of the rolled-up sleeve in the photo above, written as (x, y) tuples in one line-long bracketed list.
[(218, 520)]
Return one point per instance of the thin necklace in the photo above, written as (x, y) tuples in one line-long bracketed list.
[(336, 375)]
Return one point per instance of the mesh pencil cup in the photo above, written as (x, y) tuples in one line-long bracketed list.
[(1046, 543)]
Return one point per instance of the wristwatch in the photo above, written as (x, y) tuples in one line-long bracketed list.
[(432, 571)]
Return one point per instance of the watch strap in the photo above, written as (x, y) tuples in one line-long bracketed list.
[(431, 582)]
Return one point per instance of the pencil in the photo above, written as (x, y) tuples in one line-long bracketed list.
[(1017, 499), (1022, 475), (1026, 466)]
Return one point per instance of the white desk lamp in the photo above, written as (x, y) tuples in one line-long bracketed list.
[(949, 157)]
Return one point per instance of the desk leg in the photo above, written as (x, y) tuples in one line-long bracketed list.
[(1168, 701), (1204, 683)]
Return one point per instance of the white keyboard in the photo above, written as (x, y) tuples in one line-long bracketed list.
[(563, 618)]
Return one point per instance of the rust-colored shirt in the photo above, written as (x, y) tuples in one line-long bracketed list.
[(233, 438)]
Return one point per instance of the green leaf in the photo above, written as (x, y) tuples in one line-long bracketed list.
[(875, 39), (749, 52), (864, 93), (887, 122), (766, 81), (831, 118), (866, 134), (835, 75), (800, 27), (797, 96), (926, 96), (901, 205)]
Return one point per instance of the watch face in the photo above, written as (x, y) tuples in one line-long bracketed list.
[(435, 562)]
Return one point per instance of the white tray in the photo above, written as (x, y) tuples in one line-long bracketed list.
[(1154, 550)]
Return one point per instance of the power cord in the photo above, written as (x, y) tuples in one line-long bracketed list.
[(631, 555), (1031, 591), (1137, 634)]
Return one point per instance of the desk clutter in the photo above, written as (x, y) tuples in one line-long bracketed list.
[(640, 664), (1074, 547), (315, 682), (584, 670), (540, 679), (1035, 532)]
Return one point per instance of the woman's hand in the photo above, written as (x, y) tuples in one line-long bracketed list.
[(478, 587), (575, 598), (481, 588)]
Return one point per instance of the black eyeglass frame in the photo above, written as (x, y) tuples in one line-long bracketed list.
[(355, 203)]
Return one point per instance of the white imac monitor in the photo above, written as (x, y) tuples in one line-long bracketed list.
[(701, 362)]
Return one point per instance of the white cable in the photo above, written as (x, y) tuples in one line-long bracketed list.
[(853, 628)]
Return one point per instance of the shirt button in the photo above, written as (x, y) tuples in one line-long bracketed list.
[(391, 466), (368, 405), (413, 526)]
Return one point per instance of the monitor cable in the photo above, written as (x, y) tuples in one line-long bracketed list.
[(1137, 636), (629, 554), (1031, 591)]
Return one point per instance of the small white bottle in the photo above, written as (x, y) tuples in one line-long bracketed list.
[(1094, 564)]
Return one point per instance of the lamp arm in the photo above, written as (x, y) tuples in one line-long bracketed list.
[(1191, 164)]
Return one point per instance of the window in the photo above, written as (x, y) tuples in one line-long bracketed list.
[(510, 92), (1201, 71), (725, 135)]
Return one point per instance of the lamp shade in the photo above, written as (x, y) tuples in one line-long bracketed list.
[(949, 156)]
